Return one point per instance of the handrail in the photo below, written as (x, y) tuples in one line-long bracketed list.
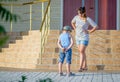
[(44, 30), (34, 2), (45, 15)]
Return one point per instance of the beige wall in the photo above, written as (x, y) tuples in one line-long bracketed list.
[(56, 14), (24, 12)]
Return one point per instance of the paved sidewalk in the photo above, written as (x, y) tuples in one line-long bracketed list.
[(11, 76)]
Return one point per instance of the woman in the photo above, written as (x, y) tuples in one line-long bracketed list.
[(80, 24)]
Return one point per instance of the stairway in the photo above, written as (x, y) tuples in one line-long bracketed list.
[(23, 50), (103, 52)]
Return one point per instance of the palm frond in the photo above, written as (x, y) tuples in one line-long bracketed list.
[(6, 15), (7, 0)]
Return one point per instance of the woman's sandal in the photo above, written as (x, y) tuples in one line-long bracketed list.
[(84, 69), (80, 70)]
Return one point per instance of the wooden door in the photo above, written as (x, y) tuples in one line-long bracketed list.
[(70, 10), (71, 6), (90, 9), (106, 12)]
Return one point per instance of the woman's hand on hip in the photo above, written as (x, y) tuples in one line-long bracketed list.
[(86, 31)]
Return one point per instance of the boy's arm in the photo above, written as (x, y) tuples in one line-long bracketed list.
[(71, 44), (59, 44)]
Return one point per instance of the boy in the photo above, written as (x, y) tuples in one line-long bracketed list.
[(65, 42)]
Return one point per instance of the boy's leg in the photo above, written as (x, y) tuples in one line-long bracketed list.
[(61, 60), (60, 67), (68, 68), (68, 60)]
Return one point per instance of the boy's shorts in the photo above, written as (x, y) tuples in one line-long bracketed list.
[(67, 55), (84, 42)]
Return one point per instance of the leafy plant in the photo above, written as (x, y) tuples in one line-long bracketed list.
[(23, 79), (45, 80), (6, 16)]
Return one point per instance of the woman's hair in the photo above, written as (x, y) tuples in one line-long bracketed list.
[(82, 11)]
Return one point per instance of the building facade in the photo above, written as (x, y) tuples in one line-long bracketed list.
[(106, 13)]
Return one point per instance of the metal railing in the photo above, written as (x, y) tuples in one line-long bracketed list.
[(44, 29)]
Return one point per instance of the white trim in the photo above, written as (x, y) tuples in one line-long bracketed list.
[(11, 23), (96, 11), (118, 15), (83, 3), (30, 17), (62, 6), (42, 10)]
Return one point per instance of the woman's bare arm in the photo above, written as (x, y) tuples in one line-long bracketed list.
[(73, 25), (92, 30)]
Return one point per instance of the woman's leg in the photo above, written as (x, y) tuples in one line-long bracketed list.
[(84, 62), (82, 49)]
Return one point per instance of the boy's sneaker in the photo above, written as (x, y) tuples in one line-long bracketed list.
[(70, 74), (60, 74)]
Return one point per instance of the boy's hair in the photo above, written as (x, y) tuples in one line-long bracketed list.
[(67, 28)]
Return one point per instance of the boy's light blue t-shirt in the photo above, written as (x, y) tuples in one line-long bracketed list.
[(65, 40)]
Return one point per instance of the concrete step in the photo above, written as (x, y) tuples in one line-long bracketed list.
[(54, 31), (55, 67), (21, 60), (75, 67), (47, 59), (51, 44), (52, 41), (34, 32), (18, 65), (49, 49), (99, 52), (27, 42)]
